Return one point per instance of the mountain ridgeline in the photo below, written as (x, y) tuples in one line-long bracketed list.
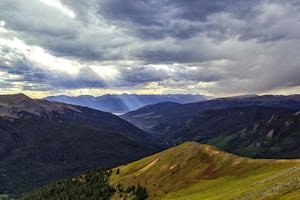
[(44, 141), (196, 171), (252, 126), (21, 106), (160, 117), (125, 102)]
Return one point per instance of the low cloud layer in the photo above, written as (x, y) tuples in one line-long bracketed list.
[(218, 47)]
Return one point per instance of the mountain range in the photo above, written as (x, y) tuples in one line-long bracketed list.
[(124, 103), (251, 126), (158, 118), (43, 141)]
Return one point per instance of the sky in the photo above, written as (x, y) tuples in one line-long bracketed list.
[(211, 47)]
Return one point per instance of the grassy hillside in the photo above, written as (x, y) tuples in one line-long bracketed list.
[(195, 171)]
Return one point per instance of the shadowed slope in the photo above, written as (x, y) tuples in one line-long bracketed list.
[(21, 106), (42, 141), (256, 132)]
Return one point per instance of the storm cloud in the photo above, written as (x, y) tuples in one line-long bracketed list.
[(218, 47)]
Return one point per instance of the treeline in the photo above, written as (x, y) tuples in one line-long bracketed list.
[(132, 192), (92, 185)]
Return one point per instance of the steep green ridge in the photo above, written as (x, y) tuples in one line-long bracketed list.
[(257, 132), (196, 171), (251, 131)]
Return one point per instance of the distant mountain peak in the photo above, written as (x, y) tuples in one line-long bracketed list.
[(21, 95), (15, 105), (13, 99)]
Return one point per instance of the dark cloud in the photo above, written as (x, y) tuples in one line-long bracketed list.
[(166, 55), (202, 76), (143, 12), (143, 74), (196, 10), (153, 19), (149, 19)]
